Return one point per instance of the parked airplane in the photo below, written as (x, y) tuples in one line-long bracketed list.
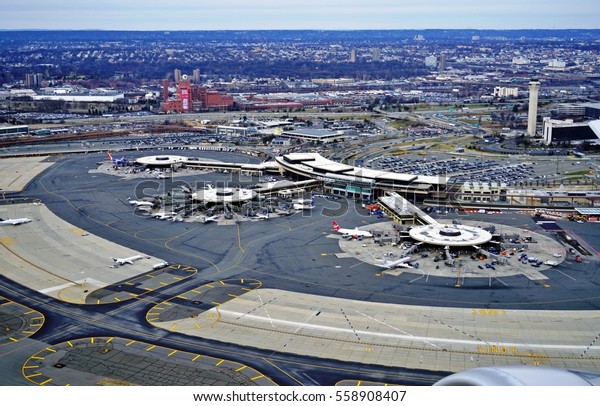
[(304, 204), (139, 203), (116, 161), (129, 260), (260, 216), (351, 232), (14, 222), (205, 219), (161, 215), (399, 263)]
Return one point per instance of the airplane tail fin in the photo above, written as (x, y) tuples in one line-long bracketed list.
[(336, 226), (109, 155)]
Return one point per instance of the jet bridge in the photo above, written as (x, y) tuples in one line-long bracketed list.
[(400, 210)]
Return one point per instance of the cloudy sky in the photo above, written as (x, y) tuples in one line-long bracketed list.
[(298, 14)]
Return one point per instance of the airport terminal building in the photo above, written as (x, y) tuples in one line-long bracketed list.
[(558, 131), (360, 183)]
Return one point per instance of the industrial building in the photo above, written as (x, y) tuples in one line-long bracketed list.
[(190, 97)]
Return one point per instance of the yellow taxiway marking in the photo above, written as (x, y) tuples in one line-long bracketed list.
[(196, 357), (33, 375), (172, 353), (129, 343), (219, 363)]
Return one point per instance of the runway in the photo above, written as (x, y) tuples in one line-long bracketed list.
[(298, 270)]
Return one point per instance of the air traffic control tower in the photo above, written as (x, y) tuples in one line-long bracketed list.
[(534, 88)]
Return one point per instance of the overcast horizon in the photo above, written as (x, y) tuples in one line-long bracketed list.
[(340, 15)]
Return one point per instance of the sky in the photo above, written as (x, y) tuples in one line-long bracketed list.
[(299, 14)]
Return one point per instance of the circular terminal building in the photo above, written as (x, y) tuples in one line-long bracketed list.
[(454, 235), (161, 161)]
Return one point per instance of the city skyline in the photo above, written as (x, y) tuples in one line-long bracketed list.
[(293, 14)]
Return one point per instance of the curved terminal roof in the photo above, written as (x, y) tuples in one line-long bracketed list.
[(161, 160), (315, 165), (454, 235), (168, 160)]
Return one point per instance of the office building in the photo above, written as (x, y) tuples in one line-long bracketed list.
[(177, 75), (442, 65), (33, 80), (506, 91), (353, 56), (196, 75), (376, 55)]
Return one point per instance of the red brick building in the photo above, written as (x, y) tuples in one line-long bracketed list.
[(190, 97)]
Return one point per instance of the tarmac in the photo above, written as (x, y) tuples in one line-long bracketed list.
[(59, 259), (424, 337), (286, 286), (16, 173)]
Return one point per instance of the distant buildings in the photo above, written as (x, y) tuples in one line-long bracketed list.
[(442, 65), (191, 97), (353, 56), (506, 91), (33, 80), (376, 54), (78, 94), (431, 61), (177, 75)]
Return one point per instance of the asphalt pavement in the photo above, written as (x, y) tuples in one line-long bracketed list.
[(294, 253)]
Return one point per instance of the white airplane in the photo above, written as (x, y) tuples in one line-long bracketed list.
[(14, 222), (304, 205), (139, 203), (260, 216), (205, 219), (351, 232), (129, 260), (161, 215), (399, 263)]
